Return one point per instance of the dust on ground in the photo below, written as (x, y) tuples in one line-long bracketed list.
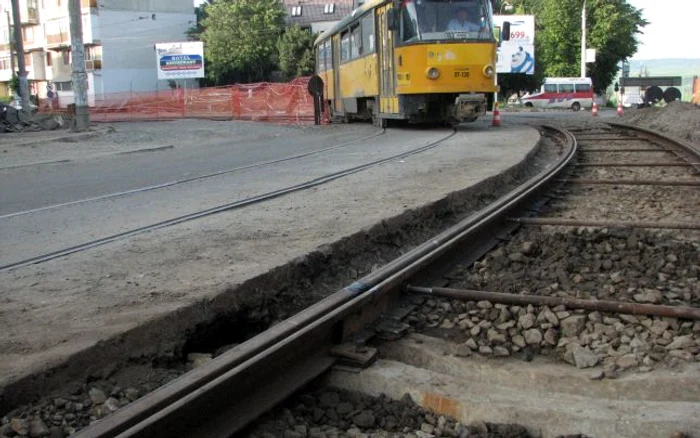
[(678, 119)]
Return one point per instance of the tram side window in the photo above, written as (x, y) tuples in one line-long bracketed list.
[(368, 33), (566, 88), (327, 48), (355, 42), (550, 88), (320, 58), (583, 88), (408, 26), (345, 46)]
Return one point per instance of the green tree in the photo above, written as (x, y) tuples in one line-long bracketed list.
[(240, 38), (612, 27), (194, 33), (296, 52), (613, 30)]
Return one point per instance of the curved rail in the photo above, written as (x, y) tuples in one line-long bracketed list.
[(229, 392), (675, 143)]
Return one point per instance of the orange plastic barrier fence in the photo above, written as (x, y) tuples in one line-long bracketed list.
[(696, 91), (270, 102)]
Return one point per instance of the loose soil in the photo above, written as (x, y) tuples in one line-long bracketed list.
[(679, 119)]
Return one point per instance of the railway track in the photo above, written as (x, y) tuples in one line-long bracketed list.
[(606, 186)]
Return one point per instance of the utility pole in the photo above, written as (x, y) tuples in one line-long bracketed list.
[(19, 45), (10, 40), (82, 113), (583, 40)]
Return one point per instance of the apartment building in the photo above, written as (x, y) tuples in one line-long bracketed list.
[(119, 38), (317, 15)]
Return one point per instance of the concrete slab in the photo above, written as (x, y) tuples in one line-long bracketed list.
[(546, 397), (129, 298)]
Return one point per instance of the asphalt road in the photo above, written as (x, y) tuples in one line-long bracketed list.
[(49, 207), (39, 186)]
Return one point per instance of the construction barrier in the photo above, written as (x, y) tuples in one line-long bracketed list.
[(696, 90), (267, 102)]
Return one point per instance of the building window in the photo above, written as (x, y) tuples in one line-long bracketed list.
[(28, 34), (296, 11), (64, 86), (28, 60), (329, 8), (93, 53), (49, 59), (5, 63), (66, 57)]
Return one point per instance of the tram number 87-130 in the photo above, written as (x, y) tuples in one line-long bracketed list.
[(463, 74)]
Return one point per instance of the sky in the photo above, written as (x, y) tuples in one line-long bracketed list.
[(671, 32)]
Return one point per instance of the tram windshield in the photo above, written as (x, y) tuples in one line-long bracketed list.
[(442, 20)]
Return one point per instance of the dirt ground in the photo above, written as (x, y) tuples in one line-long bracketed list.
[(51, 311), (678, 119)]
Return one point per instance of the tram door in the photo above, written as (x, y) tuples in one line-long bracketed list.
[(388, 101), (337, 98)]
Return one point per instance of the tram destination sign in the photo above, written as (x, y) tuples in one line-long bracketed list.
[(180, 60)]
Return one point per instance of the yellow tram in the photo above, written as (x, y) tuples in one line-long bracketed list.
[(414, 60)]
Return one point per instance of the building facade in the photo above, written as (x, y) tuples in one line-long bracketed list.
[(317, 15), (119, 38)]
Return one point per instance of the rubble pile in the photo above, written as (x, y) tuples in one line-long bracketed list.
[(327, 413), (624, 265), (13, 120)]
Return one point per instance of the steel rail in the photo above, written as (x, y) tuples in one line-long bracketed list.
[(674, 143), (682, 312), (563, 222), (220, 208), (631, 182), (649, 164), (611, 150), (227, 393)]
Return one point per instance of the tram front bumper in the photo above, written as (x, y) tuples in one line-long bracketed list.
[(469, 107)]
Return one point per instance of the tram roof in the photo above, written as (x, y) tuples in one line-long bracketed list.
[(358, 12)]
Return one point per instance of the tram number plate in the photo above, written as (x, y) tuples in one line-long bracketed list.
[(462, 73)]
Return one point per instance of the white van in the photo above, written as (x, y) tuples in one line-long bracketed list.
[(574, 93)]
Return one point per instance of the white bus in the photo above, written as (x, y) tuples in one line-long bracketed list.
[(574, 93)]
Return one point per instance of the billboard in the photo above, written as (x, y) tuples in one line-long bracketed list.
[(180, 60), (518, 54)]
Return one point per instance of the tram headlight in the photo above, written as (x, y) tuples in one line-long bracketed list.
[(488, 71), (432, 73)]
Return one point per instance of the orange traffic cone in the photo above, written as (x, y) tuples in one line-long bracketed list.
[(594, 111), (619, 109), (496, 116)]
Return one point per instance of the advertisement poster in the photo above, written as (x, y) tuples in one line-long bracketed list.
[(180, 60), (518, 54)]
